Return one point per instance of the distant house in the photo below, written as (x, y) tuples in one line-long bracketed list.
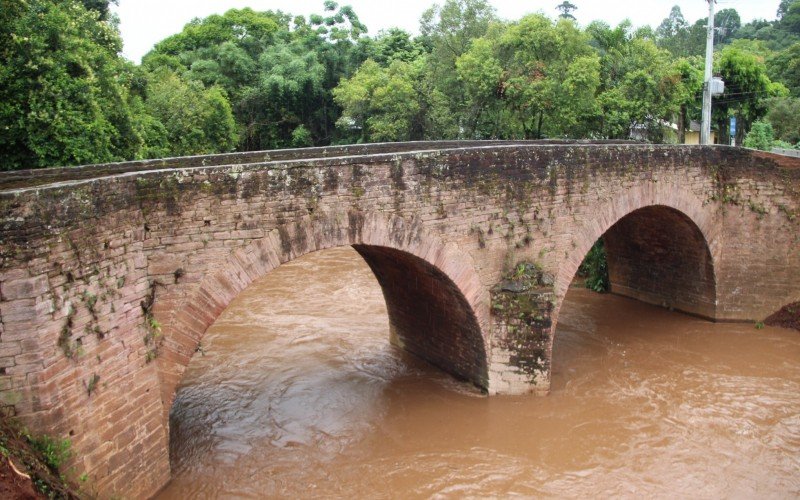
[(639, 132), (693, 134)]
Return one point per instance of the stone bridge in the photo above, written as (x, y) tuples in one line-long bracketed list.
[(111, 274)]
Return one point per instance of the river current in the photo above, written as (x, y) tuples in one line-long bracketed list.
[(299, 394)]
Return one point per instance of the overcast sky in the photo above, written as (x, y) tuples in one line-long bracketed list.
[(145, 22)]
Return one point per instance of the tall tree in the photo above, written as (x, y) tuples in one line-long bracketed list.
[(546, 83), (278, 71), (761, 136), (783, 7), (790, 19), (61, 97), (688, 87), (448, 31), (673, 33), (566, 8), (784, 66), (747, 90), (726, 24), (784, 115), (195, 120), (641, 88), (394, 103), (395, 44)]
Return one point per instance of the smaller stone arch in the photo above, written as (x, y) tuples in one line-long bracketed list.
[(680, 228), (443, 319), (693, 213), (657, 255)]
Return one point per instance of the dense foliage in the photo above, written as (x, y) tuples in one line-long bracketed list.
[(248, 80), (594, 268)]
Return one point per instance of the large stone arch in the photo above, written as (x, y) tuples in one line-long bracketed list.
[(526, 306), (447, 293)]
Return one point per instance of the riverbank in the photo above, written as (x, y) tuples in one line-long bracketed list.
[(787, 317), (24, 470)]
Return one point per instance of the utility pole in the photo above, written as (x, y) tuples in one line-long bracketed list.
[(705, 129)]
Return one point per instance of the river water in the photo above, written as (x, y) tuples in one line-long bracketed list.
[(299, 394)]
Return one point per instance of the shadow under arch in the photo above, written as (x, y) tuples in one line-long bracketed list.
[(437, 307)]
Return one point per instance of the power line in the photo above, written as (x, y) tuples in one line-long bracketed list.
[(726, 94)]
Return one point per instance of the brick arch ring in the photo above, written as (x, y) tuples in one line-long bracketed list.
[(648, 195), (688, 204), (185, 327)]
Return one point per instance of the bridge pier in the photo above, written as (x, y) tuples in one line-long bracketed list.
[(522, 307)]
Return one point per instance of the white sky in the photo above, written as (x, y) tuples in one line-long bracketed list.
[(145, 22)]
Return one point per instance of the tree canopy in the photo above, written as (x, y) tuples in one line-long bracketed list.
[(249, 80)]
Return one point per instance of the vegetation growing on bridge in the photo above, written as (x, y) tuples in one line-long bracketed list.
[(250, 80), (522, 305)]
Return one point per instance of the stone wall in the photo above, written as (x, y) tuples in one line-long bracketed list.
[(110, 279)]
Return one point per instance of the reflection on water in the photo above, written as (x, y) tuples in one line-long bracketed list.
[(301, 395)]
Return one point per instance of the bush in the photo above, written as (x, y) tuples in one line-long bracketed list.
[(595, 268), (761, 136), (54, 451)]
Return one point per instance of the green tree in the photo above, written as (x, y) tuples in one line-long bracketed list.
[(641, 87), (726, 24), (450, 29), (783, 7), (761, 136), (392, 103), (196, 120), (784, 67), (778, 34), (544, 77), (288, 92), (747, 90), (688, 88), (566, 8), (447, 32), (790, 19), (395, 44), (784, 115), (278, 71), (61, 97), (673, 33), (481, 72)]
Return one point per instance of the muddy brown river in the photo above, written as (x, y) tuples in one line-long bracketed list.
[(300, 394)]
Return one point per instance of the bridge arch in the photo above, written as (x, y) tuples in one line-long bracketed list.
[(672, 215), (436, 304), (662, 246)]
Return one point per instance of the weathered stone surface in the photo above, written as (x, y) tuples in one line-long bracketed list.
[(111, 274)]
